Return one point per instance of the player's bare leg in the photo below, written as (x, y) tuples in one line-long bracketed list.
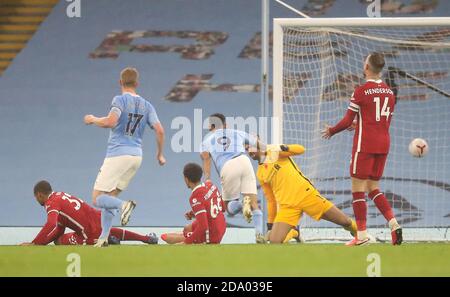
[(173, 238), (279, 232), (373, 188), (336, 216)]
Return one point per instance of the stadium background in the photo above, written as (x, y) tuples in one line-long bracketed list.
[(62, 75)]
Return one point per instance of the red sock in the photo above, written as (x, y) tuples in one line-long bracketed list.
[(360, 210), (125, 235), (382, 204)]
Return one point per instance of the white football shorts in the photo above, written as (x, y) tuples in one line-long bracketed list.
[(237, 176), (117, 172)]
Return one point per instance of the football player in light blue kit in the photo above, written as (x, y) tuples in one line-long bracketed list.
[(226, 148), (127, 119)]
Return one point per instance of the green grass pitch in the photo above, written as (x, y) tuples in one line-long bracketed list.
[(228, 260)]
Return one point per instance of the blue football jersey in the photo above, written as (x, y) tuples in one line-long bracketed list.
[(226, 144), (134, 114)]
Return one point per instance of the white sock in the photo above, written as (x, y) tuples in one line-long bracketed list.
[(362, 235), (393, 224)]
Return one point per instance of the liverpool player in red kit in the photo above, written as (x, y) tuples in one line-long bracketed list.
[(373, 105), (66, 211), (207, 209)]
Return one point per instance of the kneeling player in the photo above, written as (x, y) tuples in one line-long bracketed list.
[(64, 210), (289, 193), (207, 209)]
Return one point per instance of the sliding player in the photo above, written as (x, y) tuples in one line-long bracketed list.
[(373, 105), (226, 148), (128, 117), (66, 211), (207, 209), (289, 193)]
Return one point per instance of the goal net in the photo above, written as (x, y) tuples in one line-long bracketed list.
[(317, 65)]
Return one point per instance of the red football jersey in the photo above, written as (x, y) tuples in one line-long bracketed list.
[(66, 211), (207, 206), (374, 104)]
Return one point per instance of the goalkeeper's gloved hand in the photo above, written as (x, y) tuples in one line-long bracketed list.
[(269, 226)]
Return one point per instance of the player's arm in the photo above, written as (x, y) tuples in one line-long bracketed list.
[(289, 150), (202, 223), (109, 121), (344, 124), (50, 231), (271, 203), (160, 136), (347, 120), (206, 159), (155, 124), (189, 215)]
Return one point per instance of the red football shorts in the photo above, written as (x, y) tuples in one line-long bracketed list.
[(71, 238), (367, 165), (189, 229), (74, 238)]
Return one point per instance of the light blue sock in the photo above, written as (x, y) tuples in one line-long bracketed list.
[(234, 207), (258, 221), (107, 220), (108, 202)]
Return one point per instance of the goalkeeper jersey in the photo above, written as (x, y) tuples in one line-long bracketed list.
[(282, 176)]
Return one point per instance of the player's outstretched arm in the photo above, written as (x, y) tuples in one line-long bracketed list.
[(271, 203), (288, 150), (345, 123), (160, 136), (206, 158), (109, 121), (50, 231)]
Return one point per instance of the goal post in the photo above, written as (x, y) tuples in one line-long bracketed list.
[(317, 63)]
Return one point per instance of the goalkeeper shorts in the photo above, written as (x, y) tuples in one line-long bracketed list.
[(314, 205)]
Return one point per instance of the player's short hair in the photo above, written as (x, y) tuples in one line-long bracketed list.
[(43, 187), (376, 62), (217, 120), (129, 77), (193, 172)]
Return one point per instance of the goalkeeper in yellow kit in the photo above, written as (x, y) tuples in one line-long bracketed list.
[(289, 193)]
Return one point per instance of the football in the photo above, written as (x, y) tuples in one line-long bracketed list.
[(418, 147)]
